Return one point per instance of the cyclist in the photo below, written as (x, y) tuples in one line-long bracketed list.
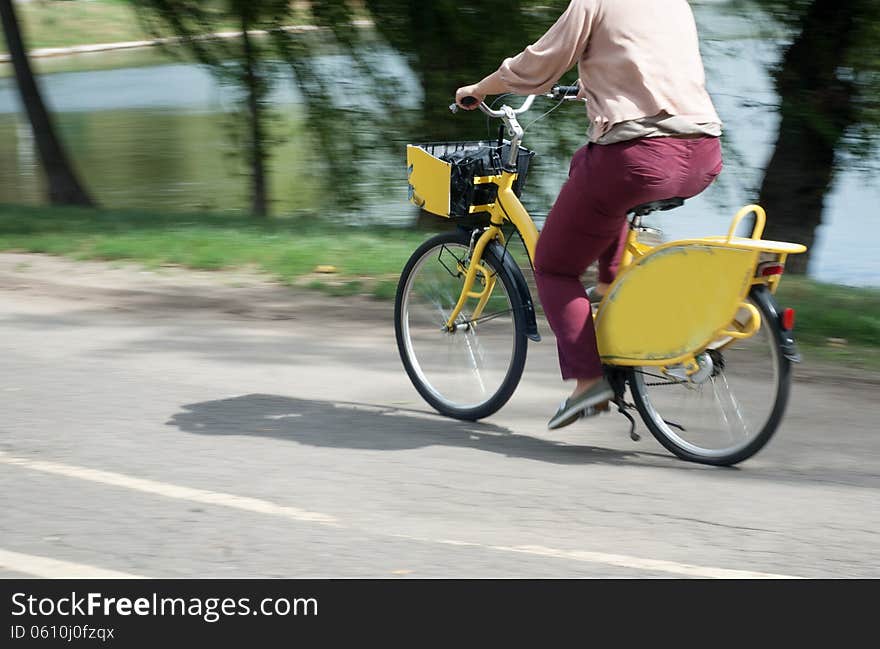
[(654, 134)]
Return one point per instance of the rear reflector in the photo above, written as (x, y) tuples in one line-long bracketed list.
[(787, 319), (772, 269)]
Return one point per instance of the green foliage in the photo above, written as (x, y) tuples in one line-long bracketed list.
[(826, 311), (250, 62), (450, 43), (844, 105), (367, 259), (58, 23)]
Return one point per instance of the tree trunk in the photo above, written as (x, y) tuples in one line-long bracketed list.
[(257, 155), (816, 109), (796, 180), (64, 186)]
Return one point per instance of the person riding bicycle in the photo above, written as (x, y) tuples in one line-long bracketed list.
[(654, 135)]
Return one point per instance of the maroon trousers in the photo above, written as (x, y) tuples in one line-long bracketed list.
[(588, 223)]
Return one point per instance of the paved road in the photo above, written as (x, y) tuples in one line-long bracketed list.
[(180, 424)]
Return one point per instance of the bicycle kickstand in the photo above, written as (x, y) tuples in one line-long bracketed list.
[(618, 384), (622, 409)]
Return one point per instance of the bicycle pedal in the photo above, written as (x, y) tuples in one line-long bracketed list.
[(598, 409)]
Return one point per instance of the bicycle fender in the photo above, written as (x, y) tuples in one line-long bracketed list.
[(786, 339), (522, 288)]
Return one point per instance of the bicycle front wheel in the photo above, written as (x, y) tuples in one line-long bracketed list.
[(730, 409), (471, 372)]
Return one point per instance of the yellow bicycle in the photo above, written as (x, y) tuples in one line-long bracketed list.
[(691, 327)]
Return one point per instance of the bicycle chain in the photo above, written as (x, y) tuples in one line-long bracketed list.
[(650, 385)]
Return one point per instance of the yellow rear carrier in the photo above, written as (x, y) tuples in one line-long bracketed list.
[(683, 295)]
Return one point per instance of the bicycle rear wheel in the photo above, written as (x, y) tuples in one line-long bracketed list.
[(731, 408), (472, 372)]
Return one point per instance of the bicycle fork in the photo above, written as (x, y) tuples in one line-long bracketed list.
[(475, 254)]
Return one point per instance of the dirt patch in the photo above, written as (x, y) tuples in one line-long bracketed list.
[(171, 292)]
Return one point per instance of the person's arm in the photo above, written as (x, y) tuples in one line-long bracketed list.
[(491, 85), (540, 65)]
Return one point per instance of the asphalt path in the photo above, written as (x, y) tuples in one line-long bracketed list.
[(172, 423)]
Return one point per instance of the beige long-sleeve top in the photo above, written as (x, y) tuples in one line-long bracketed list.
[(636, 59)]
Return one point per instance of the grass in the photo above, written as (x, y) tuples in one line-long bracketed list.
[(837, 323), (61, 23), (366, 261), (833, 322), (851, 315)]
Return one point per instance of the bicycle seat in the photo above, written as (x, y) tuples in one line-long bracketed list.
[(655, 206)]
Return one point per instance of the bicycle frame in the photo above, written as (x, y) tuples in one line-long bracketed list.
[(710, 276), (507, 207), (694, 290)]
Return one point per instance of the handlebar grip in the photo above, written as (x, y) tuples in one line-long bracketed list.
[(465, 101), (565, 91)]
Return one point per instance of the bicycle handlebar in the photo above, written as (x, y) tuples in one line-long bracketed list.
[(469, 101), (509, 115), (559, 93), (565, 92)]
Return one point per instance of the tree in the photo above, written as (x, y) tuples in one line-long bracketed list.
[(449, 44), (443, 41), (240, 62), (64, 186), (251, 63), (828, 81)]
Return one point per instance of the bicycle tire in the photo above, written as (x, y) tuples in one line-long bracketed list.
[(667, 433), (443, 392)]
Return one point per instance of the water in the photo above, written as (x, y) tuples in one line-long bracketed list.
[(147, 131)]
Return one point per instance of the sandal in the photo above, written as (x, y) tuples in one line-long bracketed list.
[(588, 403)]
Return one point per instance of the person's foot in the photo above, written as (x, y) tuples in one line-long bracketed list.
[(594, 295), (590, 401)]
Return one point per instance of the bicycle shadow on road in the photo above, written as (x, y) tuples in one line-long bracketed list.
[(372, 427)]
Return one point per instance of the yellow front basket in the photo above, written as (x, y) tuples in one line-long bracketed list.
[(455, 179)]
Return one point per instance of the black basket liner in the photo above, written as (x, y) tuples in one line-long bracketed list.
[(473, 159)]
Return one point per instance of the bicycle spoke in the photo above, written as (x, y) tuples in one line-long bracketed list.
[(725, 413), (737, 409), (475, 365), (486, 318), (721, 410), (468, 366)]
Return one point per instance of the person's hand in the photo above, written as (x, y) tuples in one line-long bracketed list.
[(469, 91)]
